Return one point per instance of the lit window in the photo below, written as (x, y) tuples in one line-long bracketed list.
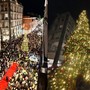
[(6, 16)]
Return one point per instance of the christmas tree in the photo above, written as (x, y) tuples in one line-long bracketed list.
[(76, 68), (24, 46)]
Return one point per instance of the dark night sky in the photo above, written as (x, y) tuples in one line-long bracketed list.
[(33, 6), (56, 7), (73, 6)]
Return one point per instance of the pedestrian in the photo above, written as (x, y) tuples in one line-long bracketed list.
[(7, 79)]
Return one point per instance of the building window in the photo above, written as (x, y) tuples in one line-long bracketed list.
[(13, 8), (17, 22), (11, 23), (6, 16), (15, 16), (2, 16), (7, 32), (2, 7), (6, 23), (5, 8)]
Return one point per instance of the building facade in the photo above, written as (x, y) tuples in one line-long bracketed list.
[(29, 22), (58, 35), (11, 13)]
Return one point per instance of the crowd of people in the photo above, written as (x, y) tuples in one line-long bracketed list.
[(26, 76), (34, 41), (3, 66), (11, 49), (10, 54)]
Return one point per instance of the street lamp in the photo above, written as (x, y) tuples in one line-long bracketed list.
[(42, 76)]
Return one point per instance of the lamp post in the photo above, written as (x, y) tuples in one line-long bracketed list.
[(42, 74)]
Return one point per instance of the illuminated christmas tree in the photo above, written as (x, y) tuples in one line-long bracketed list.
[(24, 46), (76, 68)]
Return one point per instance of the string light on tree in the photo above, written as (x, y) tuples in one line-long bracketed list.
[(77, 56)]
